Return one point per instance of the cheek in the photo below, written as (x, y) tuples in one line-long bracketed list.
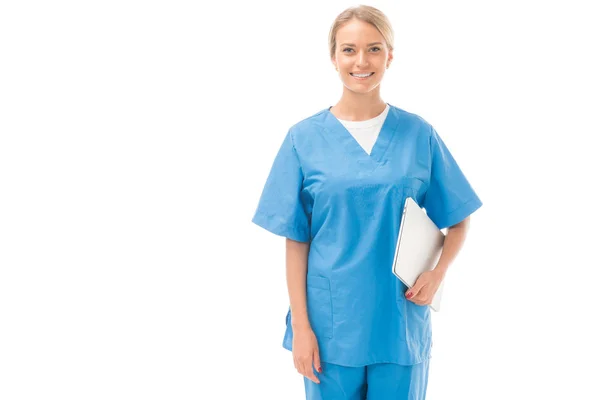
[(346, 66)]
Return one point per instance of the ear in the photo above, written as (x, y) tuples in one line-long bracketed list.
[(390, 57)]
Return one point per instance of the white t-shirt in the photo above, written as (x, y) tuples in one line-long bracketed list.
[(366, 132)]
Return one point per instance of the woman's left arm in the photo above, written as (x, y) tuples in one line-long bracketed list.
[(455, 238)]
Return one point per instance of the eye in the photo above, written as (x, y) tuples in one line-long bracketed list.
[(349, 48)]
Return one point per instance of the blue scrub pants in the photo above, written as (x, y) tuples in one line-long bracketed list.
[(371, 382)]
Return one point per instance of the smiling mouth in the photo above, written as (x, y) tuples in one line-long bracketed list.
[(362, 75)]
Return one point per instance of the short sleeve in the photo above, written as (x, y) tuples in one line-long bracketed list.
[(449, 198), (280, 208)]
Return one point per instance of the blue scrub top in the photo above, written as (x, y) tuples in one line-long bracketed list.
[(323, 188)]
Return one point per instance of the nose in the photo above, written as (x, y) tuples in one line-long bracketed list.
[(361, 60)]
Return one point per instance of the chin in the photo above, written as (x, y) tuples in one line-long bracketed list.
[(361, 89)]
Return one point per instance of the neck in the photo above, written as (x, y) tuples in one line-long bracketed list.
[(358, 106)]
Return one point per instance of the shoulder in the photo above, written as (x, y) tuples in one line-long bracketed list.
[(305, 128), (413, 119), (413, 124)]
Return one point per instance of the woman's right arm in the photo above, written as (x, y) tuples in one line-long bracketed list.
[(296, 254), (304, 348)]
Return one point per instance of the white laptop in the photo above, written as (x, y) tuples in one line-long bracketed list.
[(419, 247)]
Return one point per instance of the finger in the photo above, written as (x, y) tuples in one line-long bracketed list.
[(416, 301), (310, 373), (299, 364), (412, 292), (317, 361), (300, 367), (303, 363), (419, 297)]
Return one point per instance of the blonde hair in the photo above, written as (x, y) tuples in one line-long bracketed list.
[(367, 14)]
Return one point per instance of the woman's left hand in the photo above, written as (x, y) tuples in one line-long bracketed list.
[(425, 287)]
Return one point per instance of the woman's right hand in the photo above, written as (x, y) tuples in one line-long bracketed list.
[(305, 351)]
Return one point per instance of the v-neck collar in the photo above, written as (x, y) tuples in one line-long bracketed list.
[(338, 131)]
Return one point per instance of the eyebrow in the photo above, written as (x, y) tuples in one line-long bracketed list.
[(351, 45)]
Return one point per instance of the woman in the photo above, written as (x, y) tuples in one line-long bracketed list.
[(335, 191)]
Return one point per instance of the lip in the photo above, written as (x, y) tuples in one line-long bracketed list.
[(361, 79)]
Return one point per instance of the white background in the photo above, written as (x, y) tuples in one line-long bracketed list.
[(135, 139)]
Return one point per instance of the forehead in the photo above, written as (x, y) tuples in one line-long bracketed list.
[(358, 32)]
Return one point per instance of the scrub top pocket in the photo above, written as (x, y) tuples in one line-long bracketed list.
[(416, 319), (319, 307)]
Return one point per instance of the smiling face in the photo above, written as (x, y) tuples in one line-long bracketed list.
[(361, 55)]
